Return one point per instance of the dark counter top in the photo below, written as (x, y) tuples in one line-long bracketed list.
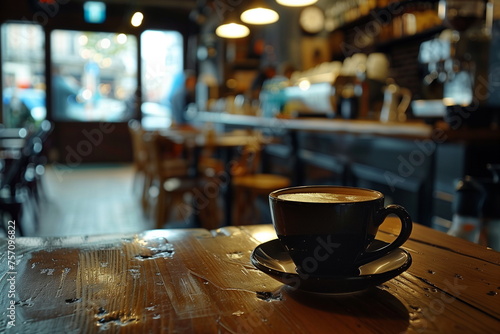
[(409, 129), (440, 131)]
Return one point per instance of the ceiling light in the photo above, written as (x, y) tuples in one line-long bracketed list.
[(296, 3), (232, 27), (259, 16), (137, 19), (232, 30), (259, 13)]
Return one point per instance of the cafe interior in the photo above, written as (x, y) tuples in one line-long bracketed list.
[(395, 96), (129, 117)]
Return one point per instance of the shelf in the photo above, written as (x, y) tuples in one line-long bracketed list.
[(410, 38), (379, 10), (384, 27), (385, 46)]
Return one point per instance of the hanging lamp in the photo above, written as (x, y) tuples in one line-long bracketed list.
[(232, 27), (296, 3), (259, 13)]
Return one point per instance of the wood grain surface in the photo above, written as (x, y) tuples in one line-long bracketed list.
[(199, 281)]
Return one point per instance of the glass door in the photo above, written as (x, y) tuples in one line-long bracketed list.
[(23, 74)]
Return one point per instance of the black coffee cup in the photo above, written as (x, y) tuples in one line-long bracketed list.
[(327, 230)]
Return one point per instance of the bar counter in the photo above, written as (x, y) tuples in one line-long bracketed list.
[(200, 281), (416, 164), (416, 129)]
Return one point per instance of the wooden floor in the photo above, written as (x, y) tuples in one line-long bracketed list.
[(96, 199), (90, 200)]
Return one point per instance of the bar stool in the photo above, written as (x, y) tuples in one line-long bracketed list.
[(249, 184)]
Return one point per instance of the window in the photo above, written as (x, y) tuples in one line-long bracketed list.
[(162, 74), (94, 76), (23, 74)]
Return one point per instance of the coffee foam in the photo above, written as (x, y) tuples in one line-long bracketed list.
[(323, 197)]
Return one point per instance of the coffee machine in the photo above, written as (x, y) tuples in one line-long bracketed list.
[(460, 69)]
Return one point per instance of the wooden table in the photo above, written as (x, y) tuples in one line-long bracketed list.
[(226, 144), (199, 281)]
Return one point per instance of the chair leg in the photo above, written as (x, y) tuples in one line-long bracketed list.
[(145, 196), (241, 206), (251, 209), (254, 212)]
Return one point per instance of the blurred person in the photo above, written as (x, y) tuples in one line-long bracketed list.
[(17, 114), (182, 97), (267, 72)]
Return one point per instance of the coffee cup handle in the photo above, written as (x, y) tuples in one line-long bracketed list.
[(406, 228)]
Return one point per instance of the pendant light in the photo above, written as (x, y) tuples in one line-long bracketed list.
[(231, 27), (232, 30), (296, 3), (259, 13)]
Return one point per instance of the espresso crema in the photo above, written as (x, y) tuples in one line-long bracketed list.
[(324, 197)]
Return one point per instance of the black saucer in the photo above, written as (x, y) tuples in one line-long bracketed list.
[(272, 258)]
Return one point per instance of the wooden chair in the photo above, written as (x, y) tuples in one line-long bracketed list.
[(140, 161), (208, 164), (20, 179), (249, 184), (179, 195)]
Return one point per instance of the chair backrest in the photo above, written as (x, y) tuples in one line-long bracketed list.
[(139, 151), (249, 160), (30, 155), (165, 156)]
